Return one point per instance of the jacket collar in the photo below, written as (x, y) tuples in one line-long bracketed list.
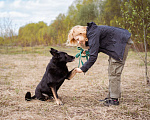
[(90, 24)]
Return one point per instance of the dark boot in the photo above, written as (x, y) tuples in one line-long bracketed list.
[(112, 101)]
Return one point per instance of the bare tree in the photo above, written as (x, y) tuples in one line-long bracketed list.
[(7, 30)]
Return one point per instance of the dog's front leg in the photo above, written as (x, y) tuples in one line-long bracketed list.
[(55, 96), (71, 74)]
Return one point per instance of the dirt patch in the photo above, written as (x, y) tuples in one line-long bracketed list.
[(21, 73)]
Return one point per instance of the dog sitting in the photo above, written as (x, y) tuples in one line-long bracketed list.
[(56, 73)]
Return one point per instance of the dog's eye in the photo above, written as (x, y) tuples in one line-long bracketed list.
[(66, 55)]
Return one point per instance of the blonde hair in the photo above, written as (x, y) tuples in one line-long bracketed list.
[(76, 30)]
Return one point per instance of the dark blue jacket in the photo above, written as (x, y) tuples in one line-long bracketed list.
[(107, 39)]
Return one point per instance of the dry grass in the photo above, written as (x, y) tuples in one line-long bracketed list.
[(21, 72)]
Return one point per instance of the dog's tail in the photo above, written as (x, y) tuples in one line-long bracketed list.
[(28, 96)]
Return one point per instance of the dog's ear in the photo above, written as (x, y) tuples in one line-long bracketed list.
[(54, 52)]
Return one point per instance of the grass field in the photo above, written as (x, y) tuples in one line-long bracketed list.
[(21, 69)]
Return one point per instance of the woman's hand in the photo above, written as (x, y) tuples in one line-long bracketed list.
[(84, 52), (78, 70)]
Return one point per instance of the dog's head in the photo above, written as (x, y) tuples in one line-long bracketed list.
[(61, 56)]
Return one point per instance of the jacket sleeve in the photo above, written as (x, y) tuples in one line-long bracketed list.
[(93, 41)]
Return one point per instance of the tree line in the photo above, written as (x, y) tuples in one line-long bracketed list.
[(133, 15)]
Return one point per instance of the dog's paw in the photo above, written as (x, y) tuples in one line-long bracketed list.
[(72, 74), (58, 101)]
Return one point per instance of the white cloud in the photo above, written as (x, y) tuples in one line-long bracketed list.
[(26, 11), (13, 14), (1, 4)]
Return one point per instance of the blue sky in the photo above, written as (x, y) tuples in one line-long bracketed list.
[(22, 12)]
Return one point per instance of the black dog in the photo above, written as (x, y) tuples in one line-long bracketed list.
[(56, 73)]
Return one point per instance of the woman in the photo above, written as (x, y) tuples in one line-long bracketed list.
[(112, 41)]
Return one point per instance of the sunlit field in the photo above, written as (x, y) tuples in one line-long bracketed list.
[(21, 69)]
